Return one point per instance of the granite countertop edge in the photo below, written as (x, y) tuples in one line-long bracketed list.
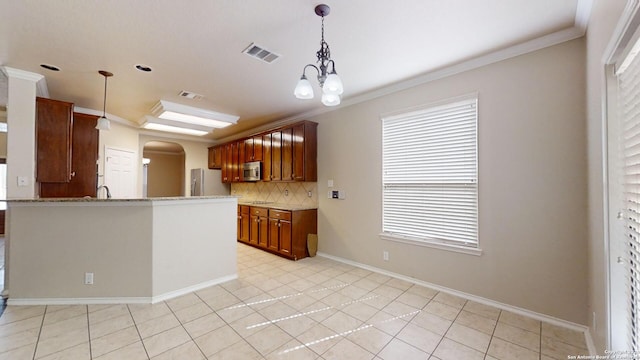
[(279, 206), (88, 199)]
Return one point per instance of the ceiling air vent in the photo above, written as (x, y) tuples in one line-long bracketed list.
[(190, 95), (260, 53)]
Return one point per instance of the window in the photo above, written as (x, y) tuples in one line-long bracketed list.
[(430, 176), (628, 133)]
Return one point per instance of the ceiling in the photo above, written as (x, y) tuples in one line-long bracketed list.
[(197, 46)]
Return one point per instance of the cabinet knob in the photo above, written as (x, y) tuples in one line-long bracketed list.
[(73, 174)]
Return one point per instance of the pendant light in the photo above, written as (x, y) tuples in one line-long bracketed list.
[(328, 78), (103, 122)]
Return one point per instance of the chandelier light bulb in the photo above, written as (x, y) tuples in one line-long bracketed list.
[(330, 99), (303, 89), (333, 85)]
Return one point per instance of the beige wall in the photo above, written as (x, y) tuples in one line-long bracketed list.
[(604, 18), (532, 186), (165, 174), (196, 156)]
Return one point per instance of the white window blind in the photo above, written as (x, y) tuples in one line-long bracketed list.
[(629, 112), (430, 186)]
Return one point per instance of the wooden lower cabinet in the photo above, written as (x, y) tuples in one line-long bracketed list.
[(282, 232), (244, 221)]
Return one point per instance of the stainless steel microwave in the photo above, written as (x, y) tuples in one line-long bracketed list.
[(251, 171)]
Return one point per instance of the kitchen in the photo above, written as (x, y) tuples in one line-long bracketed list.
[(532, 132)]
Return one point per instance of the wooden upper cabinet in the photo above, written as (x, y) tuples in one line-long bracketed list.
[(287, 154), (84, 161), (253, 149), (276, 156), (305, 151), (54, 129), (266, 159), (215, 157)]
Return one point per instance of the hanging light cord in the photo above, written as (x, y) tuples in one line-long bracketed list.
[(104, 102)]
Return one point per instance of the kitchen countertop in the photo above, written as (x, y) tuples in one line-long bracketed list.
[(90, 199), (279, 206)]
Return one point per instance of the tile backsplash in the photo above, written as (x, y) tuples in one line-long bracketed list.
[(293, 193)]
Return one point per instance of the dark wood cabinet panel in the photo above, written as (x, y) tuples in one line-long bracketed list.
[(54, 128), (244, 223), (266, 160), (84, 161), (287, 154), (276, 156), (305, 151), (215, 157), (253, 149)]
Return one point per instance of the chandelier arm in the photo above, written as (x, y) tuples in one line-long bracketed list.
[(306, 66)]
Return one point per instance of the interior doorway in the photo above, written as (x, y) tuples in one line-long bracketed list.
[(165, 169)]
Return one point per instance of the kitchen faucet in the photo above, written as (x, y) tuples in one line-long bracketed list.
[(106, 188)]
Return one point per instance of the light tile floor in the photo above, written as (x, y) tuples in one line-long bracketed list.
[(314, 308)]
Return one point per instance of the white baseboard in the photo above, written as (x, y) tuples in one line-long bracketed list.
[(189, 289), (79, 301), (514, 309), (120, 300)]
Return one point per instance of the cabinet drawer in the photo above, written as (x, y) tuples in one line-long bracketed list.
[(244, 209), (280, 214), (259, 211)]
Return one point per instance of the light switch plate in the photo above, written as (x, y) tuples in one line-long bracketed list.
[(330, 183), (23, 181)]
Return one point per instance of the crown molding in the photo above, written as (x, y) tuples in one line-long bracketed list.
[(41, 83)]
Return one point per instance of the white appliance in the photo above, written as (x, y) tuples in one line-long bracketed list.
[(206, 182)]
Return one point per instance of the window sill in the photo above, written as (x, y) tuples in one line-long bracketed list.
[(432, 244)]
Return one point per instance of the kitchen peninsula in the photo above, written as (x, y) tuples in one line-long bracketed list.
[(130, 250)]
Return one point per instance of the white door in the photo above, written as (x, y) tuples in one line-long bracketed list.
[(120, 172)]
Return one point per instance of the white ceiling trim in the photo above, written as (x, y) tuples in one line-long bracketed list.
[(583, 13), (41, 83)]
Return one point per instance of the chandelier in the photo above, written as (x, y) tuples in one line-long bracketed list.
[(327, 77)]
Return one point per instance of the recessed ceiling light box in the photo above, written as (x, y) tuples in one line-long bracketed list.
[(173, 117)]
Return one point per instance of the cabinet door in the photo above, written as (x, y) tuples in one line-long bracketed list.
[(274, 234), (287, 154), (248, 150), (263, 236), (228, 150), (54, 128), (276, 156), (285, 237), (254, 230), (215, 157), (266, 161), (257, 148), (298, 153), (224, 167), (84, 162), (244, 223), (211, 157)]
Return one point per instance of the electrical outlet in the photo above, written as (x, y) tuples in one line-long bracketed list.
[(309, 194), (88, 278), (385, 255), (286, 192)]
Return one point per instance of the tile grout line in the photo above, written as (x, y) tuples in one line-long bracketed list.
[(138, 331), (89, 332), (35, 349), (223, 320), (493, 333), (185, 329)]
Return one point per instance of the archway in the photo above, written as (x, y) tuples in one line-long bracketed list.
[(164, 170)]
